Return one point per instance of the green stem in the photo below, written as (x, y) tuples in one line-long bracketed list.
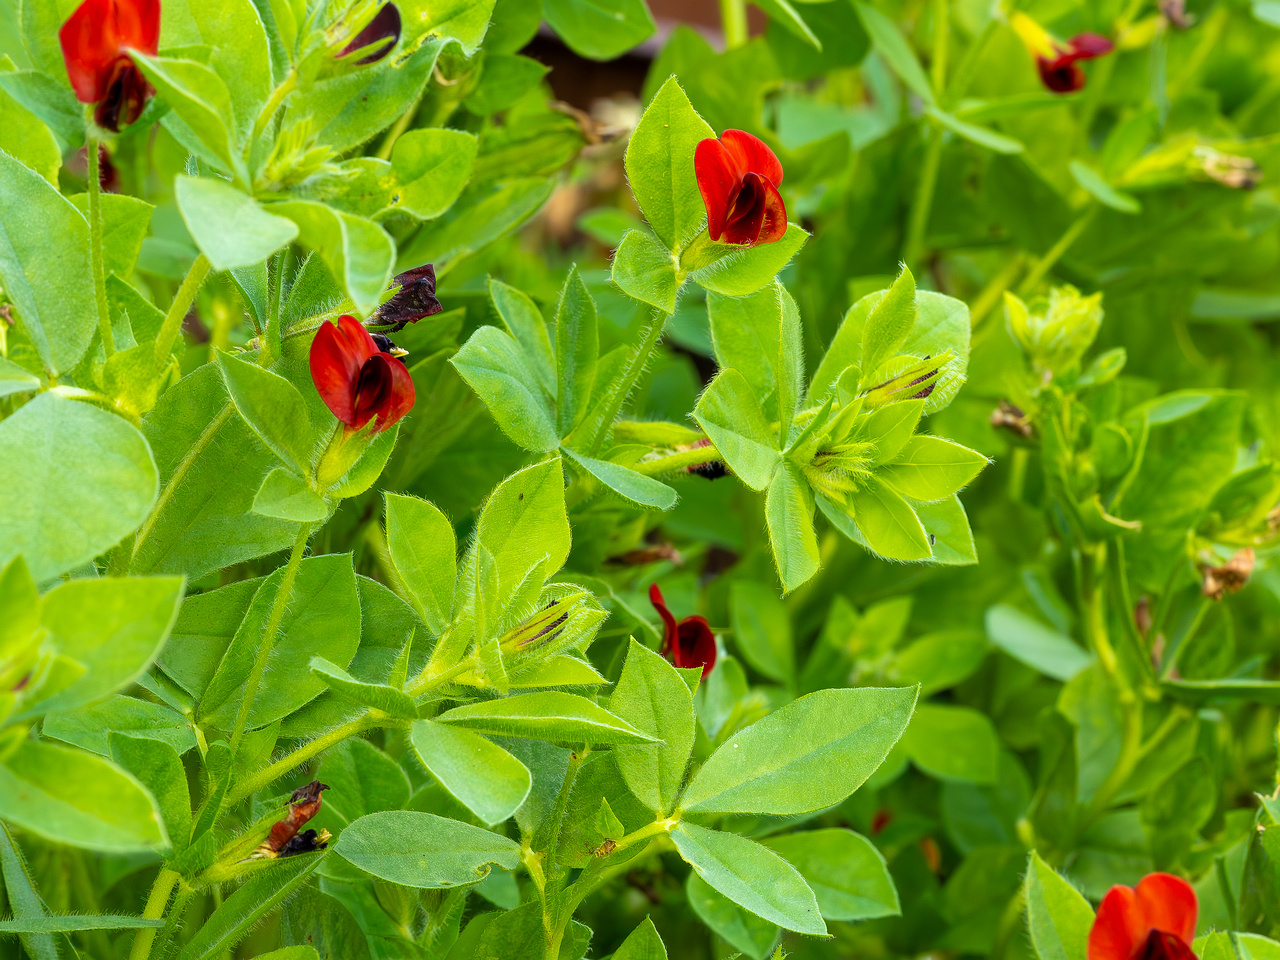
[(733, 22), (1055, 253), (1093, 562), (1130, 752), (576, 759), (649, 336), (154, 910), (941, 29), (677, 461), (180, 473), (286, 87), (964, 74), (182, 300), (923, 202), (95, 248), (301, 755), (401, 125), (993, 293), (269, 634)]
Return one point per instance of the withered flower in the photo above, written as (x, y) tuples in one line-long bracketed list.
[(415, 299), (1228, 578), (1008, 417), (303, 805)]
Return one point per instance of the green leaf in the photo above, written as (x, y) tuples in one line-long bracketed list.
[(952, 743), (245, 908), (737, 271), (480, 216), (1098, 188), (740, 928), (42, 789), (432, 166), (976, 134), (90, 727), (549, 715), (782, 12), (272, 407), (286, 496), (24, 899), (70, 923), (524, 321), (126, 222), (321, 618), (762, 629), (358, 251), (627, 483), (364, 780), (379, 696), (659, 166), (847, 873), (1038, 646), (807, 756), (577, 349), (240, 56), (889, 42), (490, 782), (16, 379), (949, 534), (889, 323), (930, 468), (644, 270), (789, 512), (157, 766), (200, 99), (44, 266), (653, 698), (886, 522), (113, 627), (642, 943), (600, 29), (505, 79), (49, 100), (421, 541), (497, 369), (751, 876), (425, 851), (729, 412), (230, 228), (938, 661), (76, 480), (1058, 917)]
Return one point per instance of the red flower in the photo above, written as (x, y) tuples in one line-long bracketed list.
[(356, 380), (1154, 921), (1057, 62), (688, 643), (739, 176), (95, 41)]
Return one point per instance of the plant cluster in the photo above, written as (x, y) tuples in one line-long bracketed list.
[(440, 522)]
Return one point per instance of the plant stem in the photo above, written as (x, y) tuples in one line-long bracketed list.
[(677, 461), (1093, 560), (95, 248), (649, 337), (941, 29), (1055, 253), (1130, 752), (154, 910), (178, 309), (963, 76), (401, 125), (733, 22), (296, 758), (286, 87), (269, 634), (576, 759), (994, 291), (923, 202)]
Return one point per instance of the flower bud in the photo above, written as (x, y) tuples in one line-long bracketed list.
[(1054, 333)]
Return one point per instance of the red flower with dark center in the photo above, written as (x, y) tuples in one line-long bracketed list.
[(1058, 63), (356, 380), (688, 643), (95, 43), (739, 176), (1154, 921)]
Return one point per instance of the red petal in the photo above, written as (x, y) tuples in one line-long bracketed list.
[(774, 224), (337, 354), (89, 48), (1120, 927), (747, 215), (1062, 75), (1086, 46), (719, 180), (696, 646), (668, 621), (753, 155), (399, 396), (1169, 904)]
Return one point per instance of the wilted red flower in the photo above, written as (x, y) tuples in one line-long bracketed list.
[(1154, 921), (356, 380), (95, 43), (284, 840), (415, 299), (739, 176), (1058, 63), (688, 643)]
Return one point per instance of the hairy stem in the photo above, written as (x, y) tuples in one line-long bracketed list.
[(269, 634), (312, 748), (286, 87), (95, 248), (923, 201), (733, 23), (677, 461), (649, 337), (154, 910), (182, 300), (1056, 252)]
